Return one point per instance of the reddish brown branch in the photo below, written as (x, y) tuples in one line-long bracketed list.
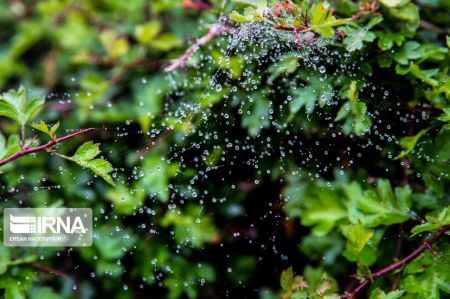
[(97, 59), (27, 151), (431, 27), (197, 5), (214, 30), (50, 270), (425, 245), (153, 142)]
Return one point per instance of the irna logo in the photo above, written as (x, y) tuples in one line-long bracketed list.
[(45, 224), (47, 227)]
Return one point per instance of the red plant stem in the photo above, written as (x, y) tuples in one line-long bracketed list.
[(50, 270), (197, 5), (286, 28), (26, 151), (214, 30), (425, 245)]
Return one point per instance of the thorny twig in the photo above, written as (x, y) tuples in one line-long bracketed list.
[(214, 30), (425, 245), (25, 150)]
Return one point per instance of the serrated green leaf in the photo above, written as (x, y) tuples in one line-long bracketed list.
[(41, 126), (380, 206), (356, 37), (428, 275), (323, 20), (379, 294), (408, 143), (286, 279), (410, 50), (238, 18), (357, 238), (54, 128), (8, 147), (434, 222), (14, 105), (84, 156)]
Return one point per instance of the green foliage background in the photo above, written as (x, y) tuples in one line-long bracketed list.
[(368, 186)]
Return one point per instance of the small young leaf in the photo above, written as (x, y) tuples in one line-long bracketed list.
[(54, 128), (238, 18), (41, 126), (286, 280)]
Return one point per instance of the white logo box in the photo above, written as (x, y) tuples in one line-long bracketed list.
[(35, 227)]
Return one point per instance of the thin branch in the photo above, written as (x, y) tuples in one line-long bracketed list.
[(97, 59), (197, 5), (50, 270), (153, 142), (214, 31), (26, 151), (431, 27), (425, 245)]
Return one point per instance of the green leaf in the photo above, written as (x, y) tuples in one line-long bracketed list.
[(287, 65), (125, 200), (16, 282), (84, 156), (191, 226), (408, 143), (357, 238), (428, 275), (166, 42), (379, 294), (386, 40), (8, 147), (14, 105), (434, 222), (44, 292), (380, 206), (323, 209), (323, 20), (409, 14), (146, 33), (356, 37), (286, 279), (409, 50), (259, 116), (43, 127), (394, 3), (114, 46), (238, 18)]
